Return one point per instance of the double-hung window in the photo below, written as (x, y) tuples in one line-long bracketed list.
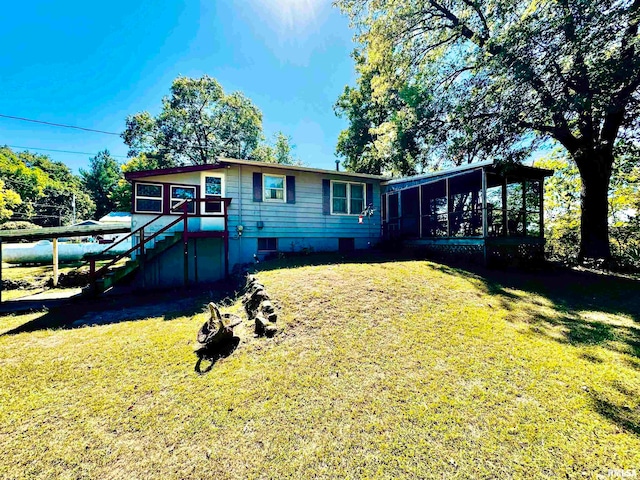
[(212, 189), (274, 188), (148, 198), (347, 198), (178, 194)]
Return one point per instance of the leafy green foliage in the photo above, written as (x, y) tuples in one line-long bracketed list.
[(198, 123), (562, 208), (19, 225), (280, 151), (47, 189), (8, 200), (460, 81), (100, 180)]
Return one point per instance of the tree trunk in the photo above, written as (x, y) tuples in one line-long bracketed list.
[(595, 173)]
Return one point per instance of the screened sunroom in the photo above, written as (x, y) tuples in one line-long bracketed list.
[(479, 209)]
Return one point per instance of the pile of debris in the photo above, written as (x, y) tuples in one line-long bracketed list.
[(215, 337), (258, 306)]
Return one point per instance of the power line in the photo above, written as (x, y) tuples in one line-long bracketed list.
[(58, 125), (62, 151)]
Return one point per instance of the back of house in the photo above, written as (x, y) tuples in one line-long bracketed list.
[(213, 218)]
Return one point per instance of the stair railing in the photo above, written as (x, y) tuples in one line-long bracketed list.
[(182, 204)]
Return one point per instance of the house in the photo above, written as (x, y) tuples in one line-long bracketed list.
[(197, 223)]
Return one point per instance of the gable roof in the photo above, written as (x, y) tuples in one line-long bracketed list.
[(224, 162)]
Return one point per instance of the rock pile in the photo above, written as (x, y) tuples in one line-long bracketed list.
[(258, 306)]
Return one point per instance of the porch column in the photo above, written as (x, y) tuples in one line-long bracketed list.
[(524, 208), (446, 183), (541, 206), (485, 220), (505, 223), (485, 216)]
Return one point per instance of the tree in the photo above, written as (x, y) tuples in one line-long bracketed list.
[(562, 206), (8, 200), (120, 195), (198, 123), (280, 151), (496, 78), (47, 189), (100, 180)]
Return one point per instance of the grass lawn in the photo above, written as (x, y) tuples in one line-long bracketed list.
[(387, 369)]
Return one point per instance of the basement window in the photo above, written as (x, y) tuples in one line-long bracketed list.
[(148, 198), (267, 244)]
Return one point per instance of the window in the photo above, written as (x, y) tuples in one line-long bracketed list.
[(274, 186), (357, 198), (339, 202), (178, 194), (212, 189), (148, 198), (347, 198), (267, 244)]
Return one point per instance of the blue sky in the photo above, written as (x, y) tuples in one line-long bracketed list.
[(92, 63)]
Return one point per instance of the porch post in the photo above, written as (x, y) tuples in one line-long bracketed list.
[(485, 221), (524, 208), (420, 211), (185, 242), (446, 182), (55, 262), (505, 223), (541, 203)]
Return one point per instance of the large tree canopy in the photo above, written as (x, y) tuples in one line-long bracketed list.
[(46, 189), (198, 123), (464, 80)]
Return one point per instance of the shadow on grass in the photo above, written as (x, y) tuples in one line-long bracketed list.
[(548, 298), (212, 356), (169, 304), (569, 299)]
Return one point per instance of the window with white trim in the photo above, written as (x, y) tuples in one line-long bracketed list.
[(274, 187), (212, 190), (148, 198), (347, 198), (180, 193)]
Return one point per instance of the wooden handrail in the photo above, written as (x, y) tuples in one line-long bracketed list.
[(132, 233), (135, 247), (184, 216)]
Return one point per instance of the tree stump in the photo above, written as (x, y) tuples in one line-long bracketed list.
[(215, 338)]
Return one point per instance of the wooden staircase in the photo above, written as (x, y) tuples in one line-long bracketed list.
[(148, 248), (120, 273)]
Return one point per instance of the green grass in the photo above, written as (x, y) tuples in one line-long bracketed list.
[(398, 369)]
